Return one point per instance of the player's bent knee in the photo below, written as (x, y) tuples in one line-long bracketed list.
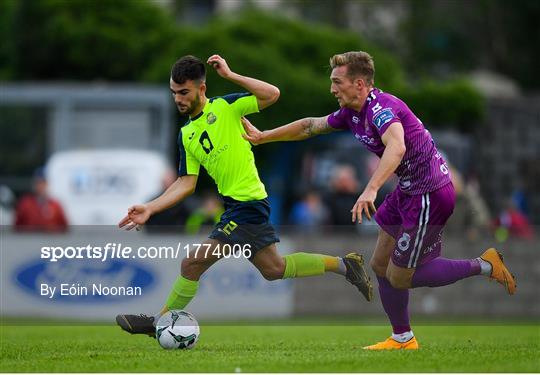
[(398, 282)]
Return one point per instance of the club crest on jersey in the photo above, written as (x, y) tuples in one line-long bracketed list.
[(383, 117), (211, 118)]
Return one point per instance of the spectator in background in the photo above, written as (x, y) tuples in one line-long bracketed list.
[(521, 201), (512, 223), (208, 213), (471, 217), (38, 212), (171, 219), (309, 212), (344, 191)]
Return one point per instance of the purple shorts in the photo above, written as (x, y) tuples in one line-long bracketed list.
[(416, 222)]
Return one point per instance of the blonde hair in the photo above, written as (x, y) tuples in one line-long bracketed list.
[(358, 63)]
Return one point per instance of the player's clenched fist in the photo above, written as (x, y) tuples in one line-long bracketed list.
[(220, 65)]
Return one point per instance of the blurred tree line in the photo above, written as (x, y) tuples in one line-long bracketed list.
[(464, 35), (441, 37), (125, 40)]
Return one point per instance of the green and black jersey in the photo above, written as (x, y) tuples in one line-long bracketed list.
[(214, 140)]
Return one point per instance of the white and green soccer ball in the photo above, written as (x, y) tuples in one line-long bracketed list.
[(177, 329)]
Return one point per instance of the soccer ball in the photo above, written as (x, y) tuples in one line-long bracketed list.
[(177, 329)]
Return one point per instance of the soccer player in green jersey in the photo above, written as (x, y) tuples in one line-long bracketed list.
[(213, 138)]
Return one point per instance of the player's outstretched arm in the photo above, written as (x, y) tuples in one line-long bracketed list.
[(295, 131), (265, 93), (140, 213)]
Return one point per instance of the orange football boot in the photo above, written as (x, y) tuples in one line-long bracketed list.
[(499, 272), (391, 344)]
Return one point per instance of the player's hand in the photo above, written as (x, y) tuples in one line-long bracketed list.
[(253, 135), (137, 216), (364, 205), (220, 65)]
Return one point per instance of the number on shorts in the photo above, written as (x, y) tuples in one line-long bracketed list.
[(229, 227)]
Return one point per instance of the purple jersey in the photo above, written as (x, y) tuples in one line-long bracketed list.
[(422, 169)]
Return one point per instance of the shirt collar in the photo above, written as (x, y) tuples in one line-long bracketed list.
[(371, 94), (206, 105), (370, 97)]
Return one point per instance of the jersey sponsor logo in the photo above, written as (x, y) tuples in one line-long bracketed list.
[(205, 142), (376, 108), (211, 118), (383, 117), (365, 139), (212, 158), (355, 119)]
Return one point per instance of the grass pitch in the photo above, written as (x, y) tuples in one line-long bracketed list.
[(292, 348)]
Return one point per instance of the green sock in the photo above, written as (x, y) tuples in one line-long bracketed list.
[(182, 293), (302, 265)]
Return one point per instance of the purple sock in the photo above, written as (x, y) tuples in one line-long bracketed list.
[(442, 271), (395, 303)]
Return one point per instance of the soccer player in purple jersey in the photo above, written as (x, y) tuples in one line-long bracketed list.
[(411, 219)]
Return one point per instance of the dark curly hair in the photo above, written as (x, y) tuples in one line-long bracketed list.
[(188, 68)]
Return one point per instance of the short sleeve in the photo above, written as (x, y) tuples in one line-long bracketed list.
[(337, 120), (383, 115), (187, 163), (242, 103)]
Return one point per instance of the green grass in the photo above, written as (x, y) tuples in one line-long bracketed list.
[(314, 348)]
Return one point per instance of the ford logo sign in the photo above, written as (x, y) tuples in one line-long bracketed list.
[(85, 280)]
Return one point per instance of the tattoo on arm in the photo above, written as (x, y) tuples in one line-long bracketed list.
[(316, 125)]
